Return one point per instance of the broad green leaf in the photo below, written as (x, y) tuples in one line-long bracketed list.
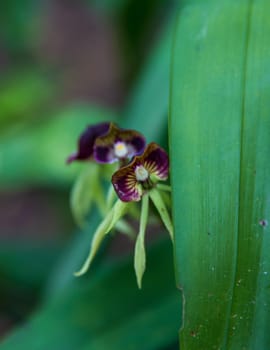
[(220, 145), (101, 312)]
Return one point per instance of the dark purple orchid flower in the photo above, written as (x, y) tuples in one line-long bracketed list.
[(132, 181), (87, 140), (118, 144)]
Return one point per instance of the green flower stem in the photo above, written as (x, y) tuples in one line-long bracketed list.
[(139, 255), (162, 210)]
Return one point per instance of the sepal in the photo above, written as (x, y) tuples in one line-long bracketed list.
[(162, 210), (139, 254), (113, 216), (86, 192)]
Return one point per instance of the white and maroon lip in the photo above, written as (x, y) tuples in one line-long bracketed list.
[(118, 144), (129, 181)]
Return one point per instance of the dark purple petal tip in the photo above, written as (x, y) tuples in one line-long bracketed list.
[(87, 140), (104, 154), (138, 145), (156, 161)]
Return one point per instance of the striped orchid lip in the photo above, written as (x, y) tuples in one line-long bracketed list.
[(139, 176), (87, 140), (118, 144)]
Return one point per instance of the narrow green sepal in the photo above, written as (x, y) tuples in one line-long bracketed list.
[(85, 192), (105, 227), (139, 255), (118, 210), (95, 244), (111, 197), (163, 187), (166, 199), (162, 210)]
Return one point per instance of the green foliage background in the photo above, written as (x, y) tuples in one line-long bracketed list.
[(210, 60)]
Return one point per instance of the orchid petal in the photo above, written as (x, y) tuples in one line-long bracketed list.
[(87, 140), (129, 142), (125, 184), (156, 161), (162, 210), (139, 255)]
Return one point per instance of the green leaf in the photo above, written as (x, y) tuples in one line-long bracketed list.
[(103, 312), (139, 255), (219, 140)]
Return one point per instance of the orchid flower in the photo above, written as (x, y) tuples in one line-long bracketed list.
[(136, 181), (101, 143)]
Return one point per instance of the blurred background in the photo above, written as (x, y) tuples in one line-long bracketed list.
[(65, 64)]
